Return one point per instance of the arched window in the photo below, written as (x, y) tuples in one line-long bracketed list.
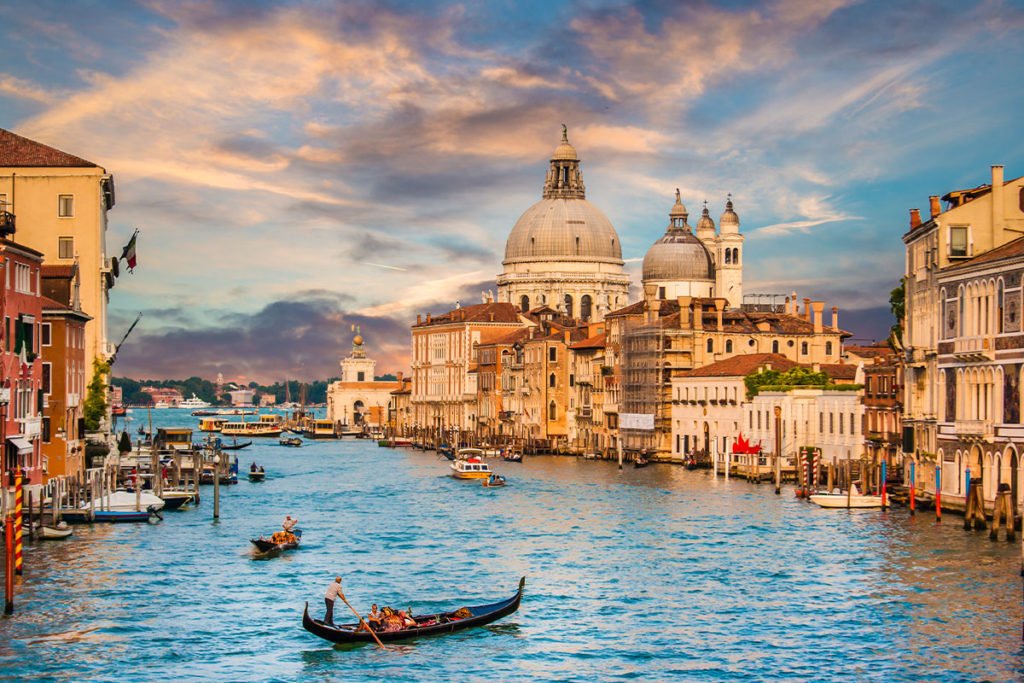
[(552, 411), (568, 305), (803, 348), (1000, 296), (524, 303), (736, 256), (728, 255), (551, 380), (828, 348), (711, 345), (728, 345), (961, 306), (775, 346), (585, 304)]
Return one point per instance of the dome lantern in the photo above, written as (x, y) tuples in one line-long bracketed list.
[(705, 224), (564, 179), (729, 221)]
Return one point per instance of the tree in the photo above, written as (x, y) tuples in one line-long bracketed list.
[(897, 304), (796, 376), (95, 407)]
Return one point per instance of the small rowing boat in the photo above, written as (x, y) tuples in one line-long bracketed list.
[(257, 474), (275, 542), (50, 532), (429, 625), (494, 481), (292, 441)]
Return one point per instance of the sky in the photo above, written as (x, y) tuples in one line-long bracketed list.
[(298, 168)]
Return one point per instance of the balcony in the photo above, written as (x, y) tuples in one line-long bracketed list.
[(31, 426), (979, 430), (611, 408), (974, 349), (586, 411), (584, 379)]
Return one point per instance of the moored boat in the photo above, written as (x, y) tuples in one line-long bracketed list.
[(321, 429), (174, 499), (125, 501), (48, 532), (428, 625), (851, 499)]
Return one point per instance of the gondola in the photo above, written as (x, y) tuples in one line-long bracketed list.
[(514, 457), (257, 475), (235, 446), (640, 461), (265, 545), (292, 441), (429, 625)]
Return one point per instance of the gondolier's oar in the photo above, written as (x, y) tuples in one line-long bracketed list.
[(363, 623)]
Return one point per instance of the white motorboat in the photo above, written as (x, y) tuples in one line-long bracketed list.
[(160, 405), (852, 499), (50, 532), (124, 501), (193, 402)]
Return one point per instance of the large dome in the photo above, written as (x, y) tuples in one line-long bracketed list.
[(563, 230)]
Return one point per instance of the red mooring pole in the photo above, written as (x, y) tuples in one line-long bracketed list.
[(18, 521), (9, 565)]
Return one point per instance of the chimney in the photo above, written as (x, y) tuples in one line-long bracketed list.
[(492, 317), (795, 304), (719, 307), (819, 315), (698, 315), (915, 218), (684, 312), (399, 376), (997, 205), (934, 206), (428, 317), (568, 337), (835, 317), (807, 309), (653, 310), (419, 318)]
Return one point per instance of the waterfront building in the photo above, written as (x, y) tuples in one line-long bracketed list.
[(358, 399), (883, 424), (61, 203), (64, 372), (20, 367), (444, 350), (548, 386), (400, 408), (499, 376), (589, 432), (563, 252), (964, 346), (168, 397)]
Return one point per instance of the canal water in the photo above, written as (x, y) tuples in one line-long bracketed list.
[(656, 574)]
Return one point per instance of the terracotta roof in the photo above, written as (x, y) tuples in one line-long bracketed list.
[(477, 313), (49, 303), (631, 309), (741, 366), (840, 371), (509, 338), (1009, 250), (18, 151), (64, 272), (595, 342), (879, 350)]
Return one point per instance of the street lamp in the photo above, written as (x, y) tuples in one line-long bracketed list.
[(216, 485)]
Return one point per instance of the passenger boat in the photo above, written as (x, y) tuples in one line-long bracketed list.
[(266, 545), (193, 402), (470, 468), (174, 439), (852, 499), (292, 441), (429, 625), (321, 429), (251, 429), (211, 424)]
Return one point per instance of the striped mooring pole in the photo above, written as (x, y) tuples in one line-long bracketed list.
[(18, 522)]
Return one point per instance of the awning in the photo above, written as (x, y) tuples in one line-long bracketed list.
[(20, 444)]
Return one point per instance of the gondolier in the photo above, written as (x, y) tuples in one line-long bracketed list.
[(332, 594)]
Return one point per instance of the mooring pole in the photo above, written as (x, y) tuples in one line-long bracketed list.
[(9, 564), (778, 450), (19, 494), (912, 485), (938, 491), (883, 483)]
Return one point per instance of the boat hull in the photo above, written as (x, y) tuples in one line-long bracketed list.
[(840, 501), (51, 533), (446, 623), (265, 545), (120, 516), (257, 476)]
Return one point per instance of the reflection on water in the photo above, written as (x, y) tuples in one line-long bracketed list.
[(651, 574)]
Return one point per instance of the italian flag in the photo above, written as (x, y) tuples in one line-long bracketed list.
[(129, 253)]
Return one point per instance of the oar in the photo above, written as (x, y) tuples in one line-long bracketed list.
[(363, 623)]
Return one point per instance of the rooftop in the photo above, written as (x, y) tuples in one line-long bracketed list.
[(16, 150)]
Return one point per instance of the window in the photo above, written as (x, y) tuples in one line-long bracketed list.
[(572, 380), (7, 333), (775, 346), (728, 345), (22, 278), (44, 334), (524, 303), (840, 424), (831, 423), (66, 247), (65, 205), (1000, 299), (728, 255), (828, 348), (661, 292), (360, 376), (821, 423), (736, 256), (803, 348), (585, 304), (711, 345), (552, 411), (553, 354), (568, 305), (551, 380), (957, 242), (46, 386), (44, 428), (3, 203), (852, 423)]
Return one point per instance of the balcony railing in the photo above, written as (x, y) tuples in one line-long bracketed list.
[(979, 429), (974, 348)]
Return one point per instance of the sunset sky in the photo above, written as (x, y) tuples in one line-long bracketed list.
[(296, 168)]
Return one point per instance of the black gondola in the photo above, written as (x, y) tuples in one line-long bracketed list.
[(265, 545), (235, 446), (429, 625), (640, 461), (514, 457)]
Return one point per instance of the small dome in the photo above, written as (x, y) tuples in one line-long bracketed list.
[(678, 255), (729, 219), (705, 221), (565, 151)]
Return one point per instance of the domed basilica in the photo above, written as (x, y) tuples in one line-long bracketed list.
[(564, 253)]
